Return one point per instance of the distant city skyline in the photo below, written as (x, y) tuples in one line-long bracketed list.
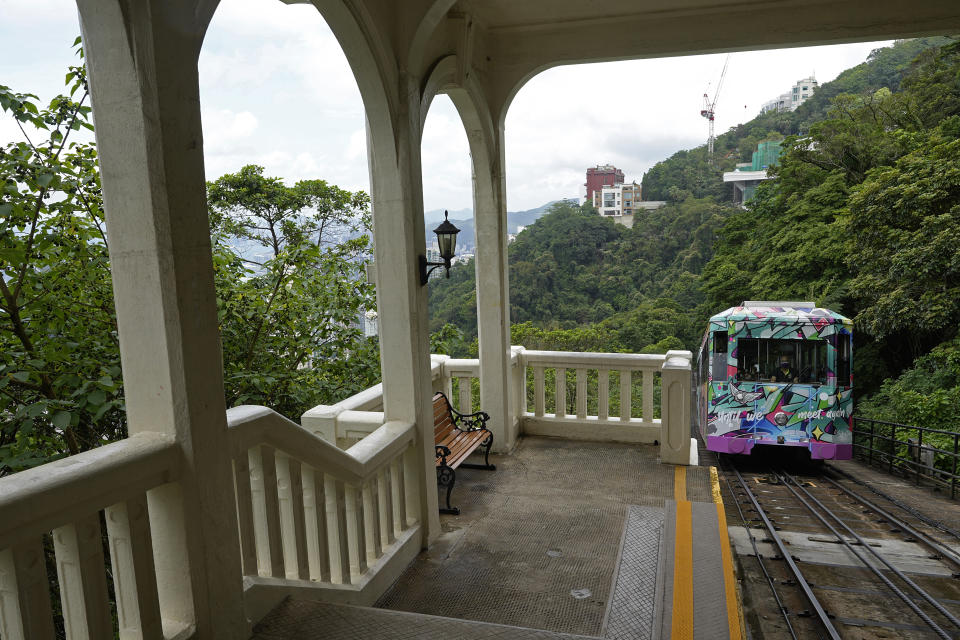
[(276, 90)]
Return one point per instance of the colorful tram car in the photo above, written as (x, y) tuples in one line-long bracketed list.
[(777, 373)]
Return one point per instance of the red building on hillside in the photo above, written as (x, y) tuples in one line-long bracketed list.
[(600, 176)]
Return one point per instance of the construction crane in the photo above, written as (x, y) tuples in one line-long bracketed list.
[(709, 108)]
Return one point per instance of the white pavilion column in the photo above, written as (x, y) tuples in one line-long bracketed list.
[(397, 197), (142, 60), (493, 291)]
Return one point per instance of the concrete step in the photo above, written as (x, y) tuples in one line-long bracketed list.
[(306, 620)]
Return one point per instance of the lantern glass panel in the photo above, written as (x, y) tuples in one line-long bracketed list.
[(448, 243)]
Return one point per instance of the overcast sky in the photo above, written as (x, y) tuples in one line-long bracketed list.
[(276, 90)]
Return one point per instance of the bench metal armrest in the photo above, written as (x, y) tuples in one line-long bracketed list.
[(442, 453), (470, 421)]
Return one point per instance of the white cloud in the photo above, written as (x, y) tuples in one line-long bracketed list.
[(293, 79), (223, 127), (9, 131), (39, 12), (445, 153), (277, 90), (357, 146)]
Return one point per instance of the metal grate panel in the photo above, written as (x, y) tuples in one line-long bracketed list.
[(634, 599)]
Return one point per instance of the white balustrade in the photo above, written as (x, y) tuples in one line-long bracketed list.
[(308, 514), (311, 512), (64, 499), (585, 415), (591, 417)]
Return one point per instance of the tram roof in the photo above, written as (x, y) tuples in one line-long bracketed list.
[(757, 311)]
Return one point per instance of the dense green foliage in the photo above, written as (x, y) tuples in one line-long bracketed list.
[(865, 219), (577, 278), (286, 300), (60, 390), (926, 395)]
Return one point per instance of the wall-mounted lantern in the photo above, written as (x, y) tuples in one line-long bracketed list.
[(447, 240)]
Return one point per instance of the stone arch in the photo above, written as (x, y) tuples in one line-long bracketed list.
[(471, 105), (485, 138)]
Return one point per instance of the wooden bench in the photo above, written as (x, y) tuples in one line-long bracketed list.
[(456, 436)]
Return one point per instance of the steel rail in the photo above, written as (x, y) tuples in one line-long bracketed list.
[(927, 540), (814, 602), (786, 479), (756, 554), (916, 514)]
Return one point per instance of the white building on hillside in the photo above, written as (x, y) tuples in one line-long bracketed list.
[(798, 94), (618, 201)]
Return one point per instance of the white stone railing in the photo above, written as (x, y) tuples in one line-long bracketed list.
[(350, 420), (313, 516), (671, 431), (601, 425), (134, 483)]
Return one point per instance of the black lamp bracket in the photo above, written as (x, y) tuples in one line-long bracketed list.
[(433, 266)]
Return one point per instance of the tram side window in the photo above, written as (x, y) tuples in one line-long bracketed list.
[(843, 361), (718, 360), (748, 359)]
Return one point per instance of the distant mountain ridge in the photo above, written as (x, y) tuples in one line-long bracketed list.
[(463, 219)]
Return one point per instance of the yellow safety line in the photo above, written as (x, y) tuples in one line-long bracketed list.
[(715, 486), (679, 483), (681, 627), (734, 613)]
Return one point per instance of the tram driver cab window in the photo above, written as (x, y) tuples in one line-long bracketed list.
[(783, 361)]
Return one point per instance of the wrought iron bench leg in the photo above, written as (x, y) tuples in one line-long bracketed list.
[(486, 457), (446, 477)]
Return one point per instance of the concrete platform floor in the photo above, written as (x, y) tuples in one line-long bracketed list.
[(536, 544), (564, 540)]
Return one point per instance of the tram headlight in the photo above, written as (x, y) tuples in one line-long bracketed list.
[(780, 418)]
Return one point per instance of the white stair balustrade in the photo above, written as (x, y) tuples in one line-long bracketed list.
[(321, 522)]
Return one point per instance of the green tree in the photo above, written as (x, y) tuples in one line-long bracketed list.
[(60, 389), (904, 228), (291, 284)]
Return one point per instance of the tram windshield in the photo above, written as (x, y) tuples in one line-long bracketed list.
[(770, 360)]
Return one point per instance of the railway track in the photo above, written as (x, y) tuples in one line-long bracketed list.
[(820, 560)]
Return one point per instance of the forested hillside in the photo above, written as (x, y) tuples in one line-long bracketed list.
[(575, 271), (864, 218)]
